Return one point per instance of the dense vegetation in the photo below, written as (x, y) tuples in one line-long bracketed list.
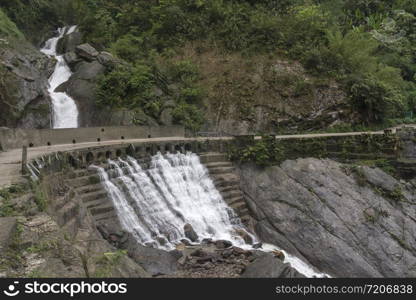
[(36, 17), (368, 46)]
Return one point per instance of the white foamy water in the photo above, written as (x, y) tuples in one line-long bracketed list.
[(65, 111), (155, 204)]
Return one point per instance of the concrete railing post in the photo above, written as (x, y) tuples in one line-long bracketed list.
[(24, 160)]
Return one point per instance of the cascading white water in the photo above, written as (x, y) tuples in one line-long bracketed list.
[(65, 111), (155, 204)]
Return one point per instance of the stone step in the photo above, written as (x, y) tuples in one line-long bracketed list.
[(221, 170), (89, 188), (99, 202), (238, 206), (210, 157), (99, 218), (244, 212), (94, 196), (218, 164), (80, 173), (84, 180), (245, 219), (234, 200), (228, 188), (232, 194), (221, 182), (101, 210)]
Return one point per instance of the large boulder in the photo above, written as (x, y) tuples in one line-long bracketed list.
[(69, 42), (268, 266), (24, 98), (357, 223), (107, 59), (190, 232), (155, 261), (87, 52), (72, 59)]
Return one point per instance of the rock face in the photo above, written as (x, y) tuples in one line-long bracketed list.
[(69, 42), (190, 233), (24, 73), (346, 221), (155, 261), (268, 266), (8, 229)]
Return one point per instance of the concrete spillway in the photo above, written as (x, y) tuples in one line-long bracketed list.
[(155, 203)]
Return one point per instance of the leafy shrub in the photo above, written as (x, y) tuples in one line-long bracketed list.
[(188, 115), (264, 152), (374, 99)]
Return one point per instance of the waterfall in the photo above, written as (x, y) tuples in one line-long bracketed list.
[(155, 203), (65, 111)]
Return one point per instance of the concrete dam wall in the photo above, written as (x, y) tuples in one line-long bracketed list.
[(17, 138)]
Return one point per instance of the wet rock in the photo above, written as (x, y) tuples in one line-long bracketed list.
[(69, 42), (267, 266), (223, 244), (190, 232), (279, 254), (186, 242), (258, 246), (87, 52), (72, 59), (245, 235), (238, 251), (206, 241)]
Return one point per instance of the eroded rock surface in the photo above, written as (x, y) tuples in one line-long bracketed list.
[(345, 220)]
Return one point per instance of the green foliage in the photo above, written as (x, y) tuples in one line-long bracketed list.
[(188, 115), (126, 86), (143, 87), (39, 196), (107, 263), (265, 152), (375, 99), (36, 17), (8, 28), (7, 209)]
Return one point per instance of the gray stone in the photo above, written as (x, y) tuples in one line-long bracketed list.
[(88, 70), (223, 244), (190, 233), (107, 59), (316, 210), (166, 117), (69, 42), (267, 266), (8, 227), (87, 52), (154, 261), (25, 101), (72, 59)]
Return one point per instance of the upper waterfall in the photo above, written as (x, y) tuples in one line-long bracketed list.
[(65, 111)]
